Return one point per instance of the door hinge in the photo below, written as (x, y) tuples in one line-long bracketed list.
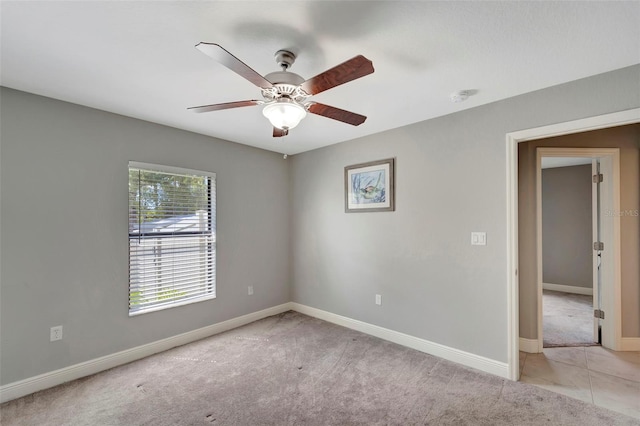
[(597, 313), (598, 178), (598, 245)]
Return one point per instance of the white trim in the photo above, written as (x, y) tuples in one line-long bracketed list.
[(169, 169), (513, 288), (530, 346), (512, 139), (538, 218), (451, 354), (588, 291), (24, 387), (43, 381), (630, 344), (63, 375), (613, 119)]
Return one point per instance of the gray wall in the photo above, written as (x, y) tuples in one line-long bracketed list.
[(627, 139), (450, 181), (567, 253), (64, 231), (64, 237)]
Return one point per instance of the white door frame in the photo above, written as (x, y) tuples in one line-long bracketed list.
[(612, 302), (512, 140)]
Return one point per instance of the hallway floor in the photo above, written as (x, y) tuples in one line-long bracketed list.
[(567, 319), (592, 374)]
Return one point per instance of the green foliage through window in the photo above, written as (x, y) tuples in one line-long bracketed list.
[(171, 238)]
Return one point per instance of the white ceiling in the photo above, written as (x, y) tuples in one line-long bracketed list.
[(138, 58)]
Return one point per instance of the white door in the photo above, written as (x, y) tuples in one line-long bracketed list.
[(607, 257), (597, 254)]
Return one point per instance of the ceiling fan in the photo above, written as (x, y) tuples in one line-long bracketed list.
[(286, 94)]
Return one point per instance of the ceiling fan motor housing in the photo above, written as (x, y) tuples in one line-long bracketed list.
[(285, 84), (284, 77)]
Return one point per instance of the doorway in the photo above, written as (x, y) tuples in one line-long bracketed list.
[(513, 185), (605, 264), (570, 216), (567, 271)]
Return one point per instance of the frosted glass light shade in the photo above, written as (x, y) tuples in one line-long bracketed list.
[(284, 114)]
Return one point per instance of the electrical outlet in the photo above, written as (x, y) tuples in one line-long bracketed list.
[(250, 290), (55, 333), (378, 299)]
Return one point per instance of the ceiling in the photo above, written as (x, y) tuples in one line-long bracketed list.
[(138, 58)]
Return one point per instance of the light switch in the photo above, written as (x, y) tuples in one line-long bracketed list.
[(478, 238)]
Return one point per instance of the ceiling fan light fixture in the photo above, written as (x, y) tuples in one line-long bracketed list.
[(284, 114)]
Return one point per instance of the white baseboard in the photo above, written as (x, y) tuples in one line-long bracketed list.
[(568, 288), (43, 381), (455, 355), (531, 346), (630, 344)]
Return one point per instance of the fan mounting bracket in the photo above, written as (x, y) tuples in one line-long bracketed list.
[(285, 58)]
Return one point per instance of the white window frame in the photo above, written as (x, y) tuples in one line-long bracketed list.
[(211, 241)]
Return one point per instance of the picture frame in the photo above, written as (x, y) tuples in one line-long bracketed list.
[(370, 187)]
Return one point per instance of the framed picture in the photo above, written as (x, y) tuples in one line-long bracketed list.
[(369, 187)]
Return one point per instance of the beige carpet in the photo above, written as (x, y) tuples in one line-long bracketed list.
[(567, 319), (291, 369)]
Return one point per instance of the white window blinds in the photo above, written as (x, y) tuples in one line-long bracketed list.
[(172, 237)]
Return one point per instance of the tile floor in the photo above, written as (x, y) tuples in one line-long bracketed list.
[(592, 374)]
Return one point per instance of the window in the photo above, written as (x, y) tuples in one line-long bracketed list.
[(172, 237)]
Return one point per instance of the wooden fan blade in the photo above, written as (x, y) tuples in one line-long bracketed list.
[(227, 105), (277, 133), (347, 71), (218, 53), (336, 114)]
